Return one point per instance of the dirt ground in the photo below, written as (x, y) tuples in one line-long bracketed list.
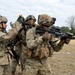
[(62, 62)]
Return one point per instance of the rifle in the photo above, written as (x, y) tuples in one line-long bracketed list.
[(56, 31), (11, 44), (14, 54)]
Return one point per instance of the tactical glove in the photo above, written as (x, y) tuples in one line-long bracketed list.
[(66, 41)]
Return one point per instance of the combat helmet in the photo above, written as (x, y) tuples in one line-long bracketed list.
[(53, 20), (3, 19), (44, 19), (30, 17)]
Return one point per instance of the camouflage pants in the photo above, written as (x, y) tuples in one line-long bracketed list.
[(15, 63), (36, 67), (22, 61), (5, 70)]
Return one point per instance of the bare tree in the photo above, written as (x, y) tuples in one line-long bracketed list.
[(71, 23)]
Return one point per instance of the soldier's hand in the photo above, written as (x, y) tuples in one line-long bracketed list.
[(47, 36), (66, 41)]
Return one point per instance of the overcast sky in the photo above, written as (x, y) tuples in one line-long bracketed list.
[(61, 9)]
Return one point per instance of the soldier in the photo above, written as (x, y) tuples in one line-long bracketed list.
[(40, 47), (4, 64), (29, 23), (21, 43)]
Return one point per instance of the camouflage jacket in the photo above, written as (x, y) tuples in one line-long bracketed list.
[(3, 56), (34, 41)]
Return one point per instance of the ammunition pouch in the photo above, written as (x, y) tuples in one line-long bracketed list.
[(41, 53), (27, 52), (37, 53)]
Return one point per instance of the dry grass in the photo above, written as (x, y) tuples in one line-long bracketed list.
[(63, 62)]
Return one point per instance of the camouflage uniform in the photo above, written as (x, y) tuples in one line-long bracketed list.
[(29, 23), (11, 35), (38, 52), (21, 43), (4, 64)]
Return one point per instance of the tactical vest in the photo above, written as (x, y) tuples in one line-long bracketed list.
[(44, 50)]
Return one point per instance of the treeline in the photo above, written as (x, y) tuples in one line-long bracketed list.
[(65, 29), (70, 25)]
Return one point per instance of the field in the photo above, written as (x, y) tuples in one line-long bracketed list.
[(63, 62)]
